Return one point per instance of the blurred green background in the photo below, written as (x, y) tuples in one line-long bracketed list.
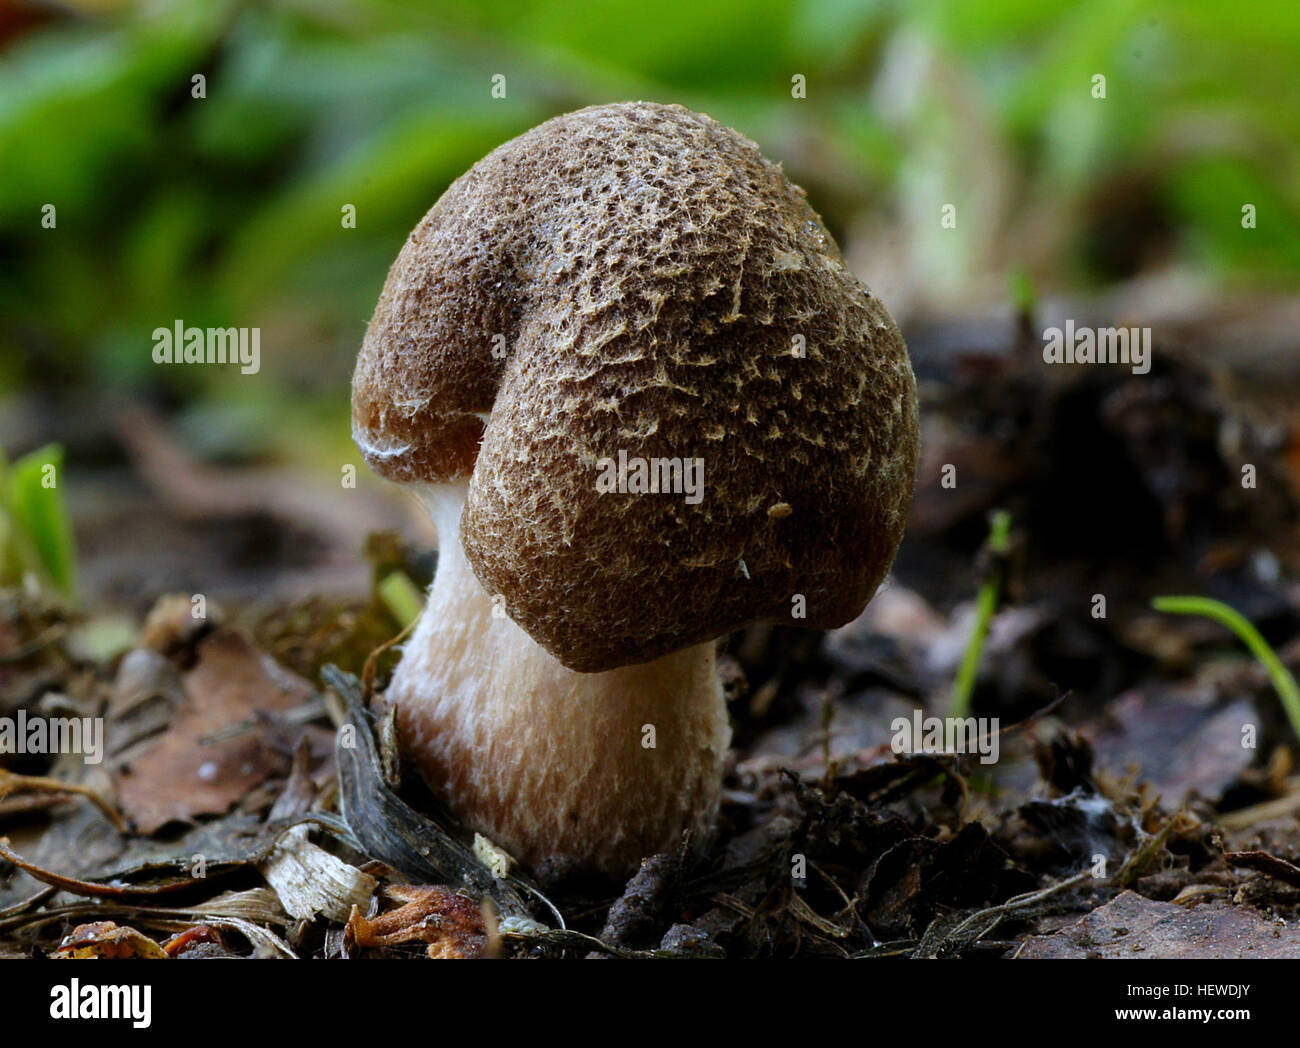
[(225, 210)]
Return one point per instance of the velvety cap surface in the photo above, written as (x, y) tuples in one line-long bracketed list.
[(632, 291)]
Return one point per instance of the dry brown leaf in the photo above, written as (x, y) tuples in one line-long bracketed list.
[(1274, 866), (180, 777), (104, 939), (191, 939), (311, 881), (450, 922), (1132, 925)]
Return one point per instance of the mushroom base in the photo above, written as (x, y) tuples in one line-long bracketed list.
[(564, 770)]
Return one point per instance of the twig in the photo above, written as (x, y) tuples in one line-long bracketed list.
[(1136, 863), (1018, 902), (11, 782)]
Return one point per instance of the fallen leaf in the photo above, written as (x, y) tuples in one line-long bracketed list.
[(450, 922), (201, 935), (310, 881), (1131, 925), (1266, 863), (104, 939), (1156, 730), (180, 777)]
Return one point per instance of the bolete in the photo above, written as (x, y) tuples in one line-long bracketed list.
[(646, 403)]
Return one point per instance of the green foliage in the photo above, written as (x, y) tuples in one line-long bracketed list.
[(35, 530), (986, 604), (401, 597), (225, 209), (1228, 616), (1024, 295)]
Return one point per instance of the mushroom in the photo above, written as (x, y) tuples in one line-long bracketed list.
[(646, 403)]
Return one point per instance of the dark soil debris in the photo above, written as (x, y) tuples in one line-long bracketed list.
[(1124, 815)]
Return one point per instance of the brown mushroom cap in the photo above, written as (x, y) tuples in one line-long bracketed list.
[(646, 271)]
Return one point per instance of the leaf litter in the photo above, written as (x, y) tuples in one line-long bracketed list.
[(251, 805)]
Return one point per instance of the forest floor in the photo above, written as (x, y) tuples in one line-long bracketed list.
[(1144, 800)]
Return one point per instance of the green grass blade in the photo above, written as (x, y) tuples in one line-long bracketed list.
[(1230, 617), (39, 518), (401, 597), (986, 604)]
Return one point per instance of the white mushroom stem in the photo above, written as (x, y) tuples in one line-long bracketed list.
[(590, 770)]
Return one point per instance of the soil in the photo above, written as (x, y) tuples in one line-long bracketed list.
[(1143, 800)]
